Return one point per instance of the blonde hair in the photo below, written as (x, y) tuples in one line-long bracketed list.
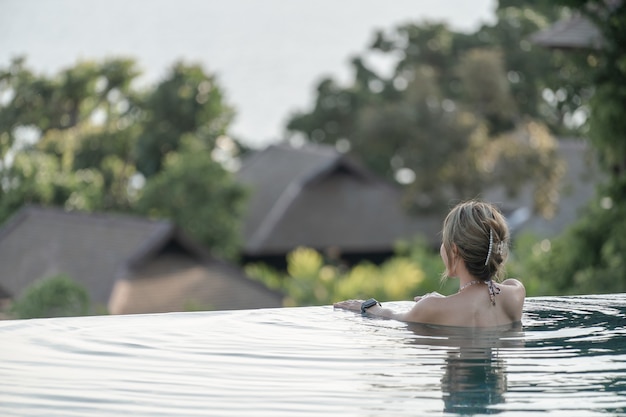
[(478, 233)]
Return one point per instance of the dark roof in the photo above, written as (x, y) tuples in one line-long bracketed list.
[(92, 249), (577, 187), (317, 197), (99, 250), (576, 32)]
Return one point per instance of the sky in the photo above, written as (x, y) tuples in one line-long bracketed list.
[(267, 55)]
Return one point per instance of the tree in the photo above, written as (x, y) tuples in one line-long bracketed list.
[(198, 194), (86, 139), (66, 131), (550, 86), (58, 296), (447, 119), (589, 256), (38, 178), (187, 101)]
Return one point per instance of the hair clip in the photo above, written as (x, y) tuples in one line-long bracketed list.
[(500, 248), (490, 246)]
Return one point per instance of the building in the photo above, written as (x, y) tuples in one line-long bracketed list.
[(577, 188), (127, 264), (575, 32), (317, 197)]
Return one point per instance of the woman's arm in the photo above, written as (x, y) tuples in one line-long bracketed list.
[(376, 310), (419, 313)]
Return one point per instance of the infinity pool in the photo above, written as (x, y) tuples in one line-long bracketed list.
[(568, 359)]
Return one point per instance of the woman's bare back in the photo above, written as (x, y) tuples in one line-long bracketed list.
[(472, 307)]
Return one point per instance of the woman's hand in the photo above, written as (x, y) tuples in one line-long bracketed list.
[(353, 305)]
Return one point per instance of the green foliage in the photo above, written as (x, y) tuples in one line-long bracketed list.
[(48, 121), (58, 296), (199, 195), (187, 101), (545, 84), (607, 122), (37, 177), (66, 100), (416, 269), (311, 280), (87, 139), (460, 111), (420, 252), (526, 258), (264, 273), (589, 256)]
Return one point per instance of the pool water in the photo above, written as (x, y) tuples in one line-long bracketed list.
[(568, 359)]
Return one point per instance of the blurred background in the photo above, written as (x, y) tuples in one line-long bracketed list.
[(173, 156), (266, 56)]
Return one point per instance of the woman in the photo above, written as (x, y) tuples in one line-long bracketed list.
[(474, 250)]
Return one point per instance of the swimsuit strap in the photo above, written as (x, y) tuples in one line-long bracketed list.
[(493, 290)]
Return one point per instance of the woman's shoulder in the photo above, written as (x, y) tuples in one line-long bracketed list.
[(513, 282), (426, 310), (515, 286), (513, 295)]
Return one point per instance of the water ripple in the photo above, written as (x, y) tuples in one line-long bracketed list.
[(568, 359)]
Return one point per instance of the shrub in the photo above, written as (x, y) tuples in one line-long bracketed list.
[(58, 296)]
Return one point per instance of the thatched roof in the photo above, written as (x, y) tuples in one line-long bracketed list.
[(577, 32), (100, 251), (317, 197), (577, 187), (94, 249)]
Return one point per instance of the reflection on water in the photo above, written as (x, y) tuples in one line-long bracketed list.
[(473, 381), (568, 359), (474, 377)]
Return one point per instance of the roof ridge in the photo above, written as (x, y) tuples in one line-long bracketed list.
[(104, 215), (325, 151), (157, 238), (286, 198), (307, 147)]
